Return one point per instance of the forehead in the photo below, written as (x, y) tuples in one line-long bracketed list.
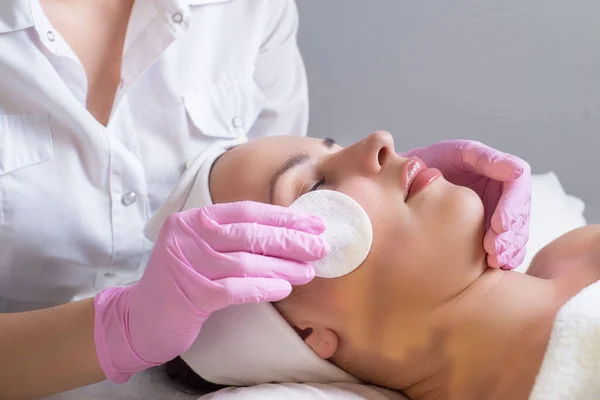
[(243, 173)]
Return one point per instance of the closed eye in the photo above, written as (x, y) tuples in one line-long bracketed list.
[(318, 184)]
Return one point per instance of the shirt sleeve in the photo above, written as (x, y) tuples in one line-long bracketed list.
[(281, 76)]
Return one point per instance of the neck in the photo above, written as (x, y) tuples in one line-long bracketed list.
[(487, 342)]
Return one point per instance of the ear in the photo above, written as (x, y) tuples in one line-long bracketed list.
[(323, 341)]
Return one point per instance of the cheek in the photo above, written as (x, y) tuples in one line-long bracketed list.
[(382, 203), (395, 234), (370, 296), (323, 301), (344, 304), (332, 297), (392, 223)]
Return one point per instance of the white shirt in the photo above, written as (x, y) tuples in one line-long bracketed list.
[(74, 194)]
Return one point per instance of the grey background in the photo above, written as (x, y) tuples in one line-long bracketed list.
[(519, 75)]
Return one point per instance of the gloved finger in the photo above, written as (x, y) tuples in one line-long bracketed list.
[(263, 214), (248, 265), (489, 245), (516, 260), (492, 163), (236, 291), (264, 240), (503, 247), (509, 260), (507, 257), (514, 206), (497, 243), (505, 243)]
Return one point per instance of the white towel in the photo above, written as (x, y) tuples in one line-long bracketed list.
[(306, 391), (571, 366)]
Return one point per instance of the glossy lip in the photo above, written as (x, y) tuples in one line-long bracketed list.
[(422, 180), (411, 168)]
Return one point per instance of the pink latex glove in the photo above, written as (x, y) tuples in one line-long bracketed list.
[(204, 260), (502, 181)]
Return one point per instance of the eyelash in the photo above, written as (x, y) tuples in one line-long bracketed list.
[(318, 184)]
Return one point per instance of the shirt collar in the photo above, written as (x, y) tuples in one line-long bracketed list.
[(15, 15)]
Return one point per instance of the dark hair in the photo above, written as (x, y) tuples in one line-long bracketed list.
[(186, 380)]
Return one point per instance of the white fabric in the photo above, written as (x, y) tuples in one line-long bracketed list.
[(229, 68), (193, 189), (571, 366), (154, 385), (252, 344), (553, 213), (307, 391), (349, 234)]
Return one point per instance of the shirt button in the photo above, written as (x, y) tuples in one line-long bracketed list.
[(237, 122), (177, 18), (121, 83), (51, 36), (129, 198), (109, 275)]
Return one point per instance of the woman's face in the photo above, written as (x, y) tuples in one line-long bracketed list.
[(425, 250)]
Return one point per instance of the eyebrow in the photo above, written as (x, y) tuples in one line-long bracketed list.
[(293, 161)]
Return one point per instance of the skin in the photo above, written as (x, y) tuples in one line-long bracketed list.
[(423, 314), (48, 351), (95, 31)]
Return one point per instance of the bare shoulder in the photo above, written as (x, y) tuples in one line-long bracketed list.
[(576, 252)]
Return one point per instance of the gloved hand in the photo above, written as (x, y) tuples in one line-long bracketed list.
[(502, 181), (204, 260)]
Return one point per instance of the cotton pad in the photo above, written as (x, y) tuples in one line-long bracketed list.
[(349, 233)]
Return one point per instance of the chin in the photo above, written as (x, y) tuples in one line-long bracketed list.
[(470, 220), (468, 209), (460, 217), (469, 201), (460, 205)]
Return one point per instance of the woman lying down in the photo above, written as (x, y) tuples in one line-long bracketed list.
[(422, 315)]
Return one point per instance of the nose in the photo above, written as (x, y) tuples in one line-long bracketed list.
[(376, 150)]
